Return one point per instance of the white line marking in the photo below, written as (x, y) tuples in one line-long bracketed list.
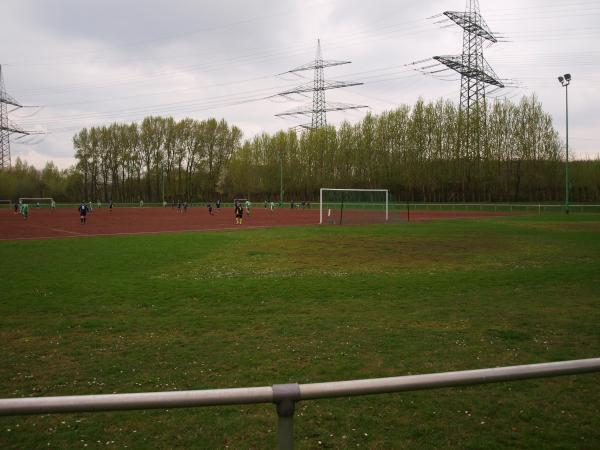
[(66, 231), (81, 235)]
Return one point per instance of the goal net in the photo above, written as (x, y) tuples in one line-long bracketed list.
[(38, 202), (353, 206)]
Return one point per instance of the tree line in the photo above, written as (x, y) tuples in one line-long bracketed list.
[(514, 154), (159, 157), (414, 151), (24, 180)]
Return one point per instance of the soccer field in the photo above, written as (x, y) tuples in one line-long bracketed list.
[(257, 307)]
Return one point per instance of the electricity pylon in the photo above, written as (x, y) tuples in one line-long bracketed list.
[(475, 72), (6, 126), (319, 107)]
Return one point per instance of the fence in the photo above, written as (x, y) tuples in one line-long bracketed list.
[(285, 396), (536, 208), (526, 208)]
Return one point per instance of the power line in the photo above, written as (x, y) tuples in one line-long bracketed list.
[(406, 28), (475, 72), (210, 65), (6, 126), (382, 74), (319, 107), (137, 43)]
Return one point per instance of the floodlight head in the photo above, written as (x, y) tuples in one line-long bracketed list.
[(568, 76), (561, 79)]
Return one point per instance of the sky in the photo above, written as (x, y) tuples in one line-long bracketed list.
[(85, 63)]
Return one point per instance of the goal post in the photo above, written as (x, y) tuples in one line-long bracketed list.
[(38, 201), (353, 206)]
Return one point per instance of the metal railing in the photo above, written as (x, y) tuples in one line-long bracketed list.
[(538, 208), (530, 208), (285, 396)]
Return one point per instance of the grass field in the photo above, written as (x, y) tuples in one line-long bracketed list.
[(258, 307)]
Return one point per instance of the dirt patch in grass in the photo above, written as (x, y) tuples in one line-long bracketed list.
[(587, 227), (343, 255)]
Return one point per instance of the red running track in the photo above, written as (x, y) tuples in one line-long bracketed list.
[(64, 222)]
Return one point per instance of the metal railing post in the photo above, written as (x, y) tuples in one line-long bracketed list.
[(285, 397)]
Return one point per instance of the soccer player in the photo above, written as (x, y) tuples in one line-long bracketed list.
[(110, 205), (25, 210), (248, 205), (210, 209), (83, 210), (239, 213), (218, 204), (272, 206), (52, 205)]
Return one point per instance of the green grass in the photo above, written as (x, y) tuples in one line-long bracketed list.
[(258, 307)]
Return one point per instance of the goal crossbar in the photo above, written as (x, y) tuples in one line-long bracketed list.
[(35, 199), (352, 190)]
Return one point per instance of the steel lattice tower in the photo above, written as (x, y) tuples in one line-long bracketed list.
[(319, 116), (319, 107), (474, 70), (6, 127)]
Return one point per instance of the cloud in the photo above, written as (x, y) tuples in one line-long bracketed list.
[(92, 63)]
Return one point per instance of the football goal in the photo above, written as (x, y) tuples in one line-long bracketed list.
[(353, 206), (38, 202)]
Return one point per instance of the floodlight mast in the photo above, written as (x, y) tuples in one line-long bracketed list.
[(565, 81)]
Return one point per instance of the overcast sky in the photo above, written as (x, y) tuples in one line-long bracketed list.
[(91, 62)]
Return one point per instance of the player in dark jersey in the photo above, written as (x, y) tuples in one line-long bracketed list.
[(83, 210), (239, 213)]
